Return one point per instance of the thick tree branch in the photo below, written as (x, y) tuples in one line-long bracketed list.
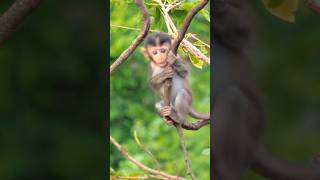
[(186, 23), (139, 164), (14, 16), (143, 32), (313, 5)]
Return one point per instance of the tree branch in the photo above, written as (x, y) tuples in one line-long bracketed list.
[(313, 5), (143, 32), (14, 16), (186, 124), (139, 164), (186, 23), (148, 176)]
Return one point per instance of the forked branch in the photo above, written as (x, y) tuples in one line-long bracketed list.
[(143, 32), (186, 23), (15, 15)]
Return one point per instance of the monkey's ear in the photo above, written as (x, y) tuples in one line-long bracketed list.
[(144, 52)]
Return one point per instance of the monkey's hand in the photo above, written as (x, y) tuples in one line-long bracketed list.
[(158, 80), (168, 72), (171, 58), (166, 111)]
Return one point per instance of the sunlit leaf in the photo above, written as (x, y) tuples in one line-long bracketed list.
[(205, 14), (187, 6), (284, 9), (136, 138), (112, 170), (274, 3), (203, 49), (206, 152), (195, 61)]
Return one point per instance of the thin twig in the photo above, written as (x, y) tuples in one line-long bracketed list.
[(139, 164), (148, 176), (144, 31), (146, 150), (185, 151), (313, 5), (14, 16), (131, 28)]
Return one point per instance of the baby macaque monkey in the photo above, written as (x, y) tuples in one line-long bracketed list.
[(165, 65)]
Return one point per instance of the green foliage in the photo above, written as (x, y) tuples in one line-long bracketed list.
[(287, 65), (283, 9), (133, 118), (52, 90)]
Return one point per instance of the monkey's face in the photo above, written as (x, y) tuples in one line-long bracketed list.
[(159, 53)]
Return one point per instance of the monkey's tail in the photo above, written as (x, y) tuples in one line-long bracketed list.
[(274, 168), (203, 116)]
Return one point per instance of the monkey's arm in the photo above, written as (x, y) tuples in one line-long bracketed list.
[(157, 80), (178, 64)]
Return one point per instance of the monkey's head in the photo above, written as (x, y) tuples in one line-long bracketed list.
[(156, 48)]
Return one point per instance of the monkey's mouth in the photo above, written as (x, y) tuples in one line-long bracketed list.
[(162, 64)]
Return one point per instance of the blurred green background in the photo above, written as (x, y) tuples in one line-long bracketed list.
[(287, 63), (52, 94), (132, 101)]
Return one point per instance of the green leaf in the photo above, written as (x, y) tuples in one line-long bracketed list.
[(112, 170), (274, 3), (206, 152), (187, 6), (284, 10), (198, 43), (205, 14), (136, 138), (203, 49), (157, 15), (195, 61)]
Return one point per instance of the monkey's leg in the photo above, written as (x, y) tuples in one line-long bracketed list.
[(182, 104)]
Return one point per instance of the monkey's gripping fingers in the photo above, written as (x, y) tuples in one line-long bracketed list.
[(171, 58), (166, 111), (168, 72)]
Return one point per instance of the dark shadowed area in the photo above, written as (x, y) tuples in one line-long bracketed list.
[(53, 94), (260, 130), (287, 66)]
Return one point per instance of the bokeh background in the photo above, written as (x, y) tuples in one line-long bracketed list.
[(132, 101), (287, 66), (53, 94)]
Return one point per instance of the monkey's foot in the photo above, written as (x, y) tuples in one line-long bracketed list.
[(168, 121)]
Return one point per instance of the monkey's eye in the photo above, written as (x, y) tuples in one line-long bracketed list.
[(163, 50), (154, 52)]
